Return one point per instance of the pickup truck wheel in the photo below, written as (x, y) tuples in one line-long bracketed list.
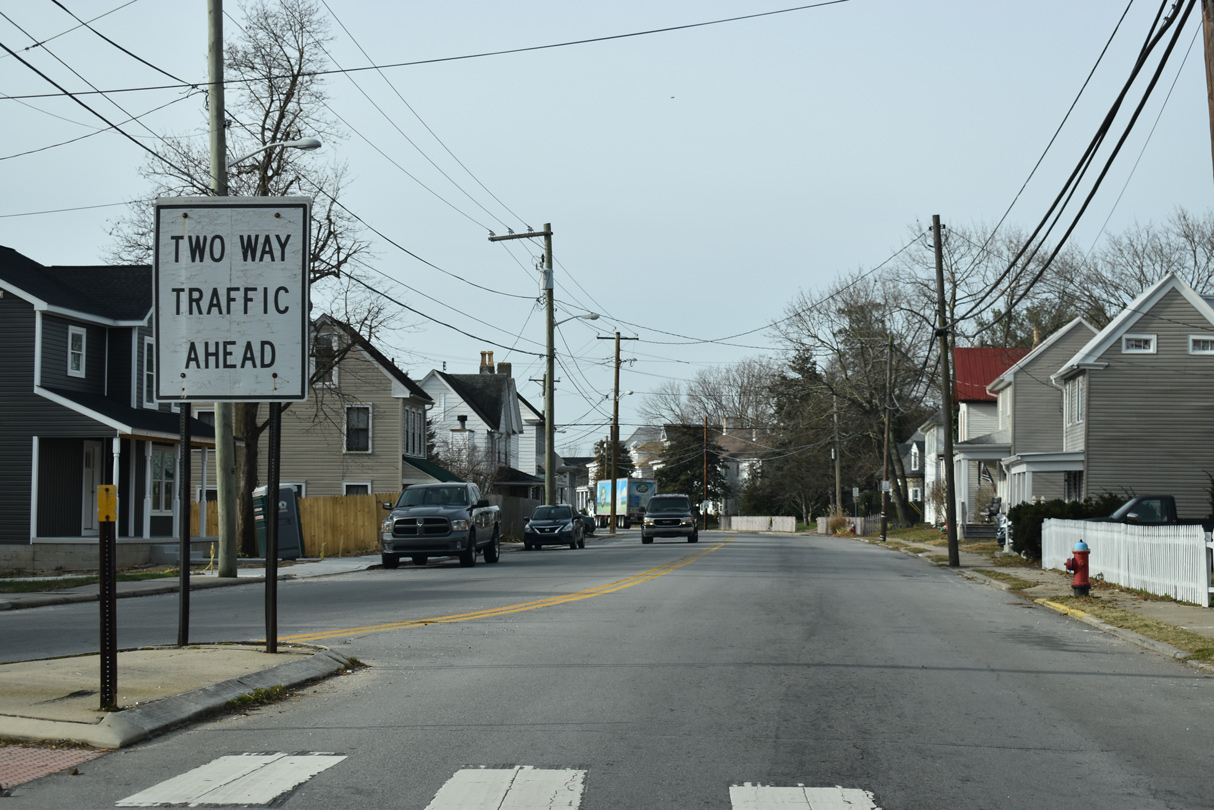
[(493, 552), (420, 559), (646, 540), (390, 560), (694, 538), (467, 557)]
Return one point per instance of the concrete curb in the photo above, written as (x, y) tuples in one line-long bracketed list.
[(120, 729)]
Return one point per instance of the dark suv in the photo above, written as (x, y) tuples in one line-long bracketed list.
[(670, 516)]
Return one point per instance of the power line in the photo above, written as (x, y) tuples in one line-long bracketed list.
[(504, 52)]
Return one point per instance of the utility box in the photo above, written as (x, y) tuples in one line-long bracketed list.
[(290, 533)]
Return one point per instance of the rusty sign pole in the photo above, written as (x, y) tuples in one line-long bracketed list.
[(107, 519)]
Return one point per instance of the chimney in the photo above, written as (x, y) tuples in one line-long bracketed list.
[(486, 362), (504, 369)]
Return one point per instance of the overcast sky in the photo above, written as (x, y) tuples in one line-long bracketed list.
[(695, 179)]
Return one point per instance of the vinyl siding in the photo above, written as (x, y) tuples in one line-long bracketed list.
[(1150, 417), (17, 394), (61, 483), (980, 419), (1037, 406), (55, 355)]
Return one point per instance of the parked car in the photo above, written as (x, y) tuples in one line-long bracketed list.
[(440, 520), (670, 516), (554, 525), (1153, 510), (587, 524)]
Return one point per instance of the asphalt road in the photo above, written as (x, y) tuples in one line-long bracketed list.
[(667, 676)]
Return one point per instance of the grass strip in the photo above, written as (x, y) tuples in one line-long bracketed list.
[(42, 585), (1198, 646), (1013, 582)]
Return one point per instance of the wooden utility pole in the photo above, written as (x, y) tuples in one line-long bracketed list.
[(225, 443), (615, 421), (550, 357), (834, 402), (889, 382), (943, 328), (705, 501), (1207, 25)]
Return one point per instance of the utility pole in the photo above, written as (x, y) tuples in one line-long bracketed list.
[(946, 398), (834, 403), (1207, 25), (549, 374), (889, 382), (615, 421), (225, 443), (706, 472)]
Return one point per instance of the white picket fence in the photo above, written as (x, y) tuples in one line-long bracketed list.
[(1170, 561)]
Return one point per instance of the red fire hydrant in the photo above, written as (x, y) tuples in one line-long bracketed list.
[(1081, 585)]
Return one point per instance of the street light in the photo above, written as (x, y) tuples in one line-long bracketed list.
[(302, 144)]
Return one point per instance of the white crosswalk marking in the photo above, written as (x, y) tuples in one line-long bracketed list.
[(757, 797), (247, 779), (520, 788)]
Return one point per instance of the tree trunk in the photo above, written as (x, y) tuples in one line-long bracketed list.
[(245, 426), (898, 487)]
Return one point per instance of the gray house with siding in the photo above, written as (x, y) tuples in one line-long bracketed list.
[(1138, 400), (1030, 416), (77, 410)]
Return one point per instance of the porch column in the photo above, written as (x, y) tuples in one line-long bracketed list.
[(147, 490)]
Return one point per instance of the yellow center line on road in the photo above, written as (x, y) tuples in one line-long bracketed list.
[(611, 587)]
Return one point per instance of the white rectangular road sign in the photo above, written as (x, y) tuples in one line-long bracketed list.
[(231, 299)]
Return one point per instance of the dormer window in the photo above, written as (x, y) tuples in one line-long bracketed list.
[(75, 351), (1138, 344)]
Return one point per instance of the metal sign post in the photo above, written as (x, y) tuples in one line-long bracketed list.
[(107, 518), (232, 320)]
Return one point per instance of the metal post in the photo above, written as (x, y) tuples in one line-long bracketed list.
[(889, 376), (183, 515), (272, 473), (107, 516)]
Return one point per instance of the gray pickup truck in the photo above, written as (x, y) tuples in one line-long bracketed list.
[(440, 520)]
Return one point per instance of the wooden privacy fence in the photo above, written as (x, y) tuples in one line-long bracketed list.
[(1170, 561), (332, 526)]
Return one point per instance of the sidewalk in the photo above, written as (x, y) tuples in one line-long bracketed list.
[(58, 699), (1052, 588)]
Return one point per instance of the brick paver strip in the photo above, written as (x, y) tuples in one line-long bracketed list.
[(19, 765)]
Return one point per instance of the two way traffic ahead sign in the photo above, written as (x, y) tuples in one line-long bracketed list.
[(231, 301)]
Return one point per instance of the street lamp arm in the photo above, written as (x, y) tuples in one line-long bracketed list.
[(304, 144)]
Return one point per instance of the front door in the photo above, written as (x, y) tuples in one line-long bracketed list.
[(92, 478)]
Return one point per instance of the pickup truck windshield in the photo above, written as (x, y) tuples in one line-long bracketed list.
[(434, 496), (552, 513), (1148, 510), (669, 503)]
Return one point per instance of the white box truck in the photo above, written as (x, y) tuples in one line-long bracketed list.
[(631, 498)]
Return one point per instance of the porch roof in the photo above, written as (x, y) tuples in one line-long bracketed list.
[(1044, 462), (128, 422)]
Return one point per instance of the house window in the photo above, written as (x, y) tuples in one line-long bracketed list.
[(916, 494), (205, 415), (164, 479), (149, 373), (358, 428), (1138, 344), (915, 459), (324, 362), (75, 351), (1201, 344), (1073, 400), (356, 488)]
